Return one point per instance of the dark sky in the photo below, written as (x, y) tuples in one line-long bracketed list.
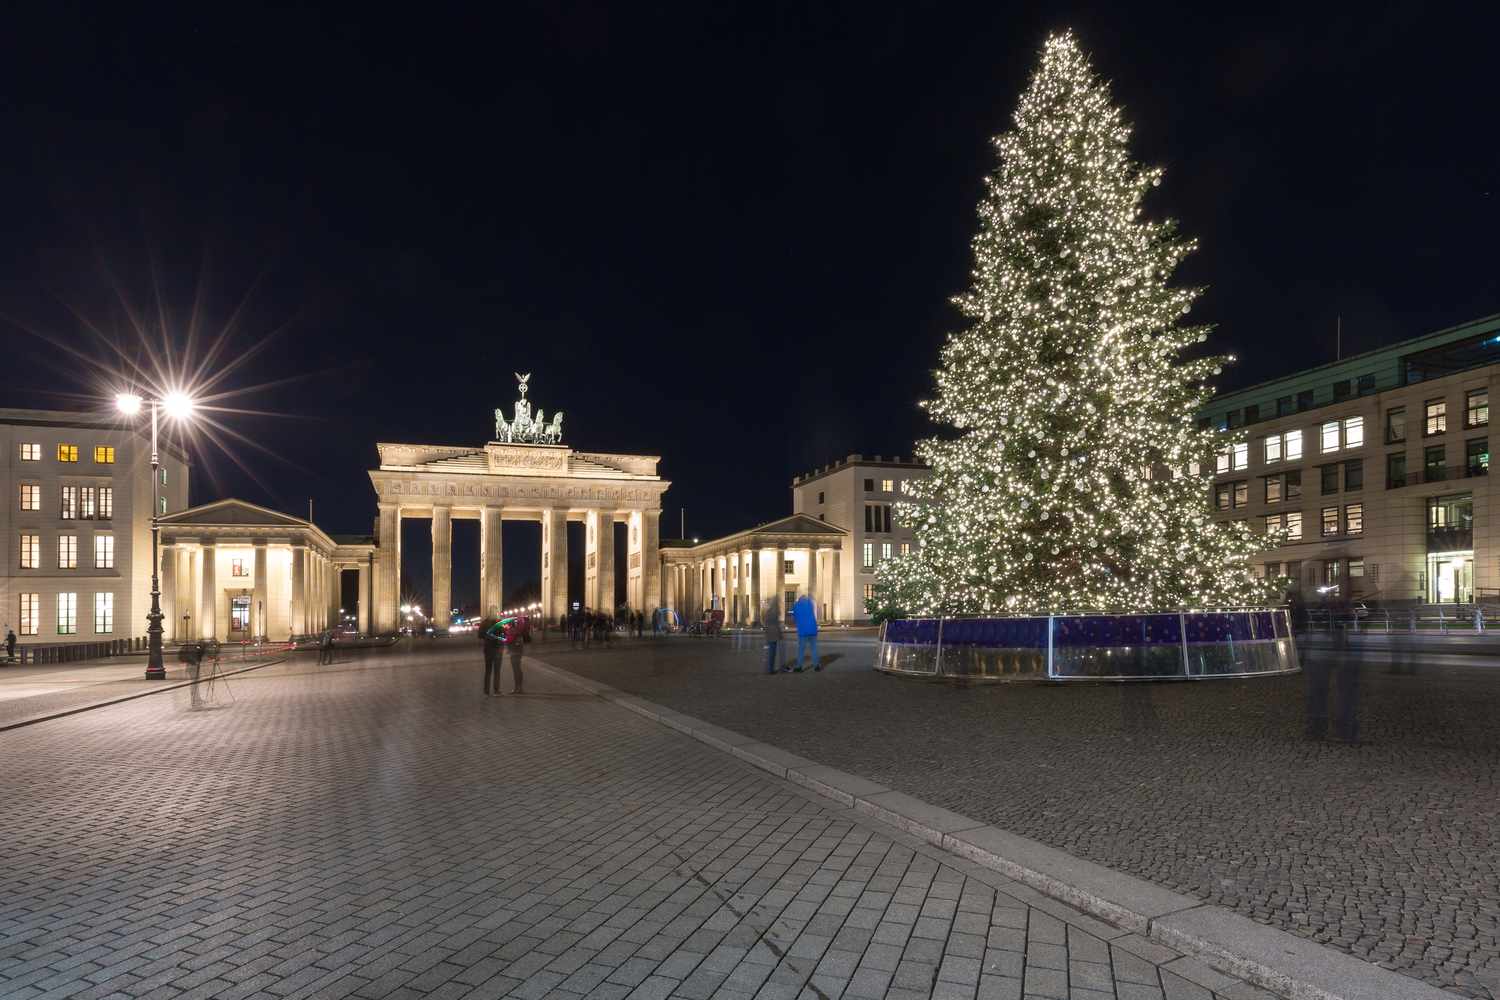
[(724, 234)]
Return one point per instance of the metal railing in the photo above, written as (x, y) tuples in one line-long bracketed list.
[(1438, 619), (1435, 474), (71, 651)]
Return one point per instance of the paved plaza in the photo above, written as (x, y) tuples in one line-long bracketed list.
[(378, 829), (1387, 850)]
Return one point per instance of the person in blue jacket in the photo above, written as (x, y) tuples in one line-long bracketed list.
[(806, 617)]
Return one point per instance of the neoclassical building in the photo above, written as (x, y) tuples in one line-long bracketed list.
[(232, 570), (740, 573)]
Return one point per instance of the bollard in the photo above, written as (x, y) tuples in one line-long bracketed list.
[(1479, 619)]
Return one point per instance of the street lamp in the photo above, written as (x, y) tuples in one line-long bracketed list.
[(179, 406)]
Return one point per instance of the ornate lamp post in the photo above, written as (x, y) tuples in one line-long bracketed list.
[(178, 407)]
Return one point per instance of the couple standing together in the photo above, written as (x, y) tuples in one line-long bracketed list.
[(806, 617)]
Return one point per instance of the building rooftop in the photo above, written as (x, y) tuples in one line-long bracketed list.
[(103, 421), (1433, 355), (861, 461)]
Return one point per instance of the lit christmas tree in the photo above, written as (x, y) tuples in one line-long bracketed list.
[(1078, 479)]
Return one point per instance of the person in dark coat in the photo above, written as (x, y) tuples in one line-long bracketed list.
[(771, 620), (519, 635), (490, 637), (10, 644)]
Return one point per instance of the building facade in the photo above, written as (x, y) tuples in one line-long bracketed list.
[(76, 548), (741, 573), (1371, 474), (235, 571), (857, 495)]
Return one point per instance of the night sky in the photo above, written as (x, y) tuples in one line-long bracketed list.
[(722, 234)]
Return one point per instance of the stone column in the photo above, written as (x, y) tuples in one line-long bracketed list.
[(314, 616), (364, 598), (188, 592), (491, 564), (258, 612), (604, 546), (554, 563), (208, 595), (756, 601), (170, 625), (812, 577), (388, 569), (335, 593), (442, 567), (834, 586), (650, 560), (298, 624), (778, 575)]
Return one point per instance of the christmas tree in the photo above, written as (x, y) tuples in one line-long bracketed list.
[(1077, 477)]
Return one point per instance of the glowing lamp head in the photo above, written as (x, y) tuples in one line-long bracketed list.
[(128, 403), (178, 405)]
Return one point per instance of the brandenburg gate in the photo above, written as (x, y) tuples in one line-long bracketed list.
[(524, 474)]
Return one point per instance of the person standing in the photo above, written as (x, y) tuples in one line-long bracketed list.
[(806, 617), (520, 634), (325, 647), (10, 643), (491, 641), (772, 622)]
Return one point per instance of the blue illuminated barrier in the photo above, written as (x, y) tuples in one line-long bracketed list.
[(1187, 644)]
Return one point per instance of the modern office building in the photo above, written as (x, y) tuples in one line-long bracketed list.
[(76, 548), (857, 494), (1375, 469)]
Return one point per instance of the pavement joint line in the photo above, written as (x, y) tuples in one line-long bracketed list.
[(63, 713), (1294, 967)]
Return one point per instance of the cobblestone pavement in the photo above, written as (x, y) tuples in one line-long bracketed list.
[(32, 691), (379, 829), (1389, 850)]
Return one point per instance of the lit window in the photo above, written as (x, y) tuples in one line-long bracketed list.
[(67, 551), (1272, 447), (106, 502), (1356, 567), (67, 453), (88, 503), (104, 454), (1241, 454), (869, 592), (1242, 492), (1437, 417), (1477, 408), (1195, 468), (163, 473), (887, 486), (1477, 456), (1273, 570), (1330, 521), (31, 613), (31, 551), (31, 496), (1354, 432), (104, 613), (1354, 518), (161, 505), (1272, 489), (1274, 523), (104, 551), (906, 548), (68, 506), (1293, 449), (67, 614), (788, 566), (237, 568), (885, 550), (1328, 437), (1294, 526), (869, 555), (1331, 572), (1221, 496), (1221, 463), (31, 452)]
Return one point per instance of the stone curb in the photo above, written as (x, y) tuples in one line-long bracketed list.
[(34, 719), (1292, 966)]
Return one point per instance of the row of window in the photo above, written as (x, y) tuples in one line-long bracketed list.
[(1353, 522), (67, 613), (104, 454), (67, 551), (1477, 406), (1334, 570), (86, 503), (887, 549), (886, 486), (1435, 464)]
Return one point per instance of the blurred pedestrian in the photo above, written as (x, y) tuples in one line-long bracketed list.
[(771, 622), (806, 617), (520, 634), (10, 643), (1341, 667)]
